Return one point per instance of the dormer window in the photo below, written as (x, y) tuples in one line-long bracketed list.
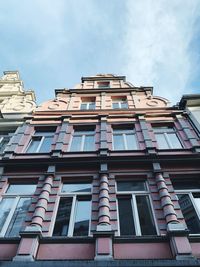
[(103, 84), (87, 103), (119, 103)]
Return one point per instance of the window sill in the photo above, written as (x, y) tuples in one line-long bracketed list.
[(140, 239), (65, 239)]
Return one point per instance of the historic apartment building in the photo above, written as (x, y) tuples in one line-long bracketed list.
[(106, 174)]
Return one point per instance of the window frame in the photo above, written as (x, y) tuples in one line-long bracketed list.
[(75, 198), (172, 130), (88, 103), (16, 199), (119, 102), (124, 138), (43, 135), (4, 135), (134, 208), (83, 137)]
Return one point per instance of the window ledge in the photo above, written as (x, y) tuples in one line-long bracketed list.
[(140, 239)]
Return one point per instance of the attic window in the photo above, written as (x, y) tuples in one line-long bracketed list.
[(103, 84)]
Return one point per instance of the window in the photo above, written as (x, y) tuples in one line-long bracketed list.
[(73, 216), (83, 140), (4, 140), (119, 103), (40, 142), (13, 208), (167, 138), (124, 139), (103, 84), (188, 193), (134, 209), (88, 104)]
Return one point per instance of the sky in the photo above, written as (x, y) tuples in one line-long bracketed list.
[(53, 43)]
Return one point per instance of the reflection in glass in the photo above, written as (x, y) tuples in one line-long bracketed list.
[(147, 224), (118, 142), (84, 187), (174, 141), (131, 186), (18, 217), (189, 213), (131, 141), (4, 140), (5, 207), (82, 218), (126, 217), (162, 143), (21, 189), (124, 139), (63, 217), (89, 143), (76, 143), (34, 144), (46, 144)]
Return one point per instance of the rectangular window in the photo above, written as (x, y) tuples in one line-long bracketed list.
[(124, 139), (83, 141), (167, 138), (4, 140), (103, 84), (188, 193), (134, 209), (41, 142), (14, 207), (120, 103), (87, 104), (74, 211)]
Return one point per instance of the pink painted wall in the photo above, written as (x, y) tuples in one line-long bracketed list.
[(142, 251), (66, 251), (8, 251)]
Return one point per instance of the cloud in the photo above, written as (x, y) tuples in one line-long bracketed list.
[(157, 44)]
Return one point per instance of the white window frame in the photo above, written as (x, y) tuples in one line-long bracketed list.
[(189, 193), (75, 198), (167, 139), (134, 207), (2, 136), (42, 135), (16, 200), (124, 137), (88, 105), (78, 133), (119, 102)]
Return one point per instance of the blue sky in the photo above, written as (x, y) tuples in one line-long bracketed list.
[(53, 43)]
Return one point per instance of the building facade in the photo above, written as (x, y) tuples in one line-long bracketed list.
[(106, 174)]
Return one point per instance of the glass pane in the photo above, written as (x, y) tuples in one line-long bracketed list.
[(131, 186), (163, 129), (46, 144), (126, 222), (174, 141), (4, 141), (68, 188), (63, 217), (147, 224), (131, 141), (196, 197), (83, 106), (76, 143), (186, 184), (118, 142), (21, 189), (124, 105), (89, 144), (115, 105), (92, 105), (161, 141), (5, 207), (34, 144), (82, 218), (18, 217), (189, 213)]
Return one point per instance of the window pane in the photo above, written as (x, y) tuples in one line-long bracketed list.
[(82, 218), (124, 105), (18, 217), (46, 144), (92, 105), (4, 141), (34, 144), (174, 141), (131, 141), (126, 217), (5, 207), (63, 217), (118, 142), (67, 188), (76, 143), (115, 105), (83, 106), (189, 213), (163, 129), (21, 189), (89, 144), (186, 184), (131, 186), (147, 224), (162, 143)]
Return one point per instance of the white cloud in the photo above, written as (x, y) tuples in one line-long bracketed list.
[(156, 44)]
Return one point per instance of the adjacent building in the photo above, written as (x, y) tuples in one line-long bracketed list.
[(106, 174)]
